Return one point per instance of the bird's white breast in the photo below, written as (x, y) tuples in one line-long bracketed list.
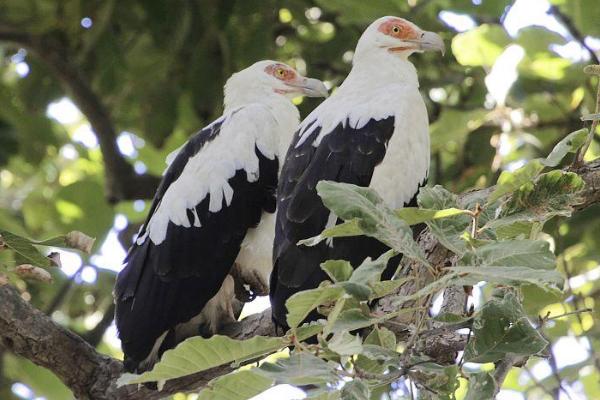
[(406, 162)]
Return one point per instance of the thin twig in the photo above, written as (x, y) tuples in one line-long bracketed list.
[(538, 383), (573, 30)]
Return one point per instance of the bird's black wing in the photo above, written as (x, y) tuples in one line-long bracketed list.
[(346, 154), (168, 283)]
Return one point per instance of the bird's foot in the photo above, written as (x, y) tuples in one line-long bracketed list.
[(248, 283)]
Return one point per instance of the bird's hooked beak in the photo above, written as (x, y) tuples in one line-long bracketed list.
[(309, 87), (425, 41), (430, 41)]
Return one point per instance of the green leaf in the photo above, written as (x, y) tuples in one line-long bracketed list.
[(240, 385), (552, 194), (24, 248), (570, 144), (370, 270), (374, 218), (345, 344), (302, 303), (508, 275), (508, 181), (359, 291), (534, 254), (482, 386), (356, 390), (383, 288), (442, 379), (335, 395), (501, 327), (337, 270), (510, 262), (413, 215), (198, 354), (301, 368), (447, 230), (352, 319), (379, 336), (450, 318), (345, 229), (309, 330), (480, 46)]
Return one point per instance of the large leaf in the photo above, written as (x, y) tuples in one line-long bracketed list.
[(370, 271), (501, 327), (301, 368), (356, 390), (345, 229), (413, 215), (508, 181), (534, 254), (446, 230), (510, 262), (198, 354), (374, 218), (570, 144), (552, 194), (379, 336), (482, 386), (24, 248), (302, 303), (515, 276), (345, 344), (337, 270), (239, 385), (352, 319)]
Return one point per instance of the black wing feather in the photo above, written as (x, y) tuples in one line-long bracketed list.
[(169, 283), (344, 155)]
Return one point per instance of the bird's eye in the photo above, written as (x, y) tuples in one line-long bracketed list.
[(396, 29), (280, 72)]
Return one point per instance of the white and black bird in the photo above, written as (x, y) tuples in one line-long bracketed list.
[(213, 208), (373, 131)]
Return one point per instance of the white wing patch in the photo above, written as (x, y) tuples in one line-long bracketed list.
[(356, 106), (207, 173), (406, 163)]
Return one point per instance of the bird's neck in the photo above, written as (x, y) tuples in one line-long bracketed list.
[(380, 68)]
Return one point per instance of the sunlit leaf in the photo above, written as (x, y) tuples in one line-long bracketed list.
[(302, 303), (198, 354), (240, 385)]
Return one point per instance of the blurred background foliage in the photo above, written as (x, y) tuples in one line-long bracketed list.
[(510, 88)]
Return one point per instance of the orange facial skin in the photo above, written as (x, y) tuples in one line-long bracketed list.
[(399, 29), (281, 72)]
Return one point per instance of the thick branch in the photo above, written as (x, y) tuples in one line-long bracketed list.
[(122, 183), (33, 335)]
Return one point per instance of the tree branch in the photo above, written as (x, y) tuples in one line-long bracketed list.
[(122, 183), (30, 333), (573, 30), (90, 375)]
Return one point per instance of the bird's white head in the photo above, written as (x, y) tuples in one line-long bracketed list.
[(398, 37), (269, 80)]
